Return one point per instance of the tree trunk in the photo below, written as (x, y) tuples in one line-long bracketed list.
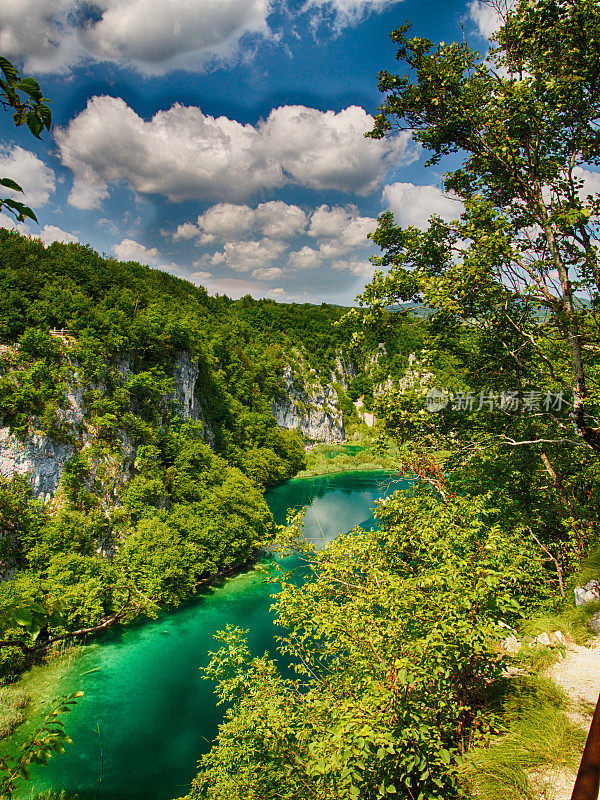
[(568, 319)]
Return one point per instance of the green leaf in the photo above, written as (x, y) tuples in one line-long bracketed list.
[(10, 184), (12, 76), (22, 616), (31, 87)]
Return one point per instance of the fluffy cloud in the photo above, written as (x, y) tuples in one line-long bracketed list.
[(225, 220), (338, 231), (245, 255), (361, 269), (347, 12), (344, 226), (185, 154), (488, 16), (50, 234), (35, 178), (414, 205), (253, 238), (485, 17), (151, 35), (34, 29), (325, 150), (130, 250), (267, 273), (591, 181), (11, 224), (306, 258)]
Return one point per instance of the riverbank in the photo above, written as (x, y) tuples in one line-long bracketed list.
[(24, 703), (352, 456)]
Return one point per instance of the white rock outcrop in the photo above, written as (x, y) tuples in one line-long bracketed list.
[(312, 410), (587, 594), (39, 459), (185, 377)]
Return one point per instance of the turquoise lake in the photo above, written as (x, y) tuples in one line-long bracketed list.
[(147, 714)]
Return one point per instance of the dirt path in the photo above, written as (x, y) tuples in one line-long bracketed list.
[(578, 675)]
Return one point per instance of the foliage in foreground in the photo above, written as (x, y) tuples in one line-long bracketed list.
[(394, 642), (41, 745)]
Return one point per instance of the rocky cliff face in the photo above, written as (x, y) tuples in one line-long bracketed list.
[(310, 408), (345, 370), (305, 405), (38, 458), (186, 393), (41, 459)]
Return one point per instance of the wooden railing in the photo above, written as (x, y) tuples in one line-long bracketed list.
[(588, 777)]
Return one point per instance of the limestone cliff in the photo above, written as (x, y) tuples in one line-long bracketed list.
[(310, 408), (41, 459)]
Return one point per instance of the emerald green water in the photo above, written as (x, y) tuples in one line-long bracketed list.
[(346, 449), (147, 715)]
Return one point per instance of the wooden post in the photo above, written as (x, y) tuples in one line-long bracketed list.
[(588, 777)]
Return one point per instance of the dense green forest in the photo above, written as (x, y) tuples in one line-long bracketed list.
[(159, 492)]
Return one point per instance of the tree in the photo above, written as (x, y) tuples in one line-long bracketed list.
[(525, 122), (25, 98)]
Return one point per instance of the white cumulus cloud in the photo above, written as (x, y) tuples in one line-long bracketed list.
[(342, 224), (360, 269), (130, 250), (267, 273), (339, 230), (414, 205), (183, 154), (35, 178), (228, 220), (153, 36), (50, 234), (245, 255), (591, 181), (306, 258)]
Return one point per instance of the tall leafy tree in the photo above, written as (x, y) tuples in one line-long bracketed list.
[(524, 120)]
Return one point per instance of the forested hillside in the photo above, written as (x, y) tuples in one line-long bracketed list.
[(138, 433)]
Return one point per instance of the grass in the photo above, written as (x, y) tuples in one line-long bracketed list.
[(590, 569), (327, 459), (12, 703), (538, 739), (571, 621), (539, 657), (23, 703)]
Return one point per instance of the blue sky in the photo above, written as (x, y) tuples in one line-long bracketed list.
[(222, 140)]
